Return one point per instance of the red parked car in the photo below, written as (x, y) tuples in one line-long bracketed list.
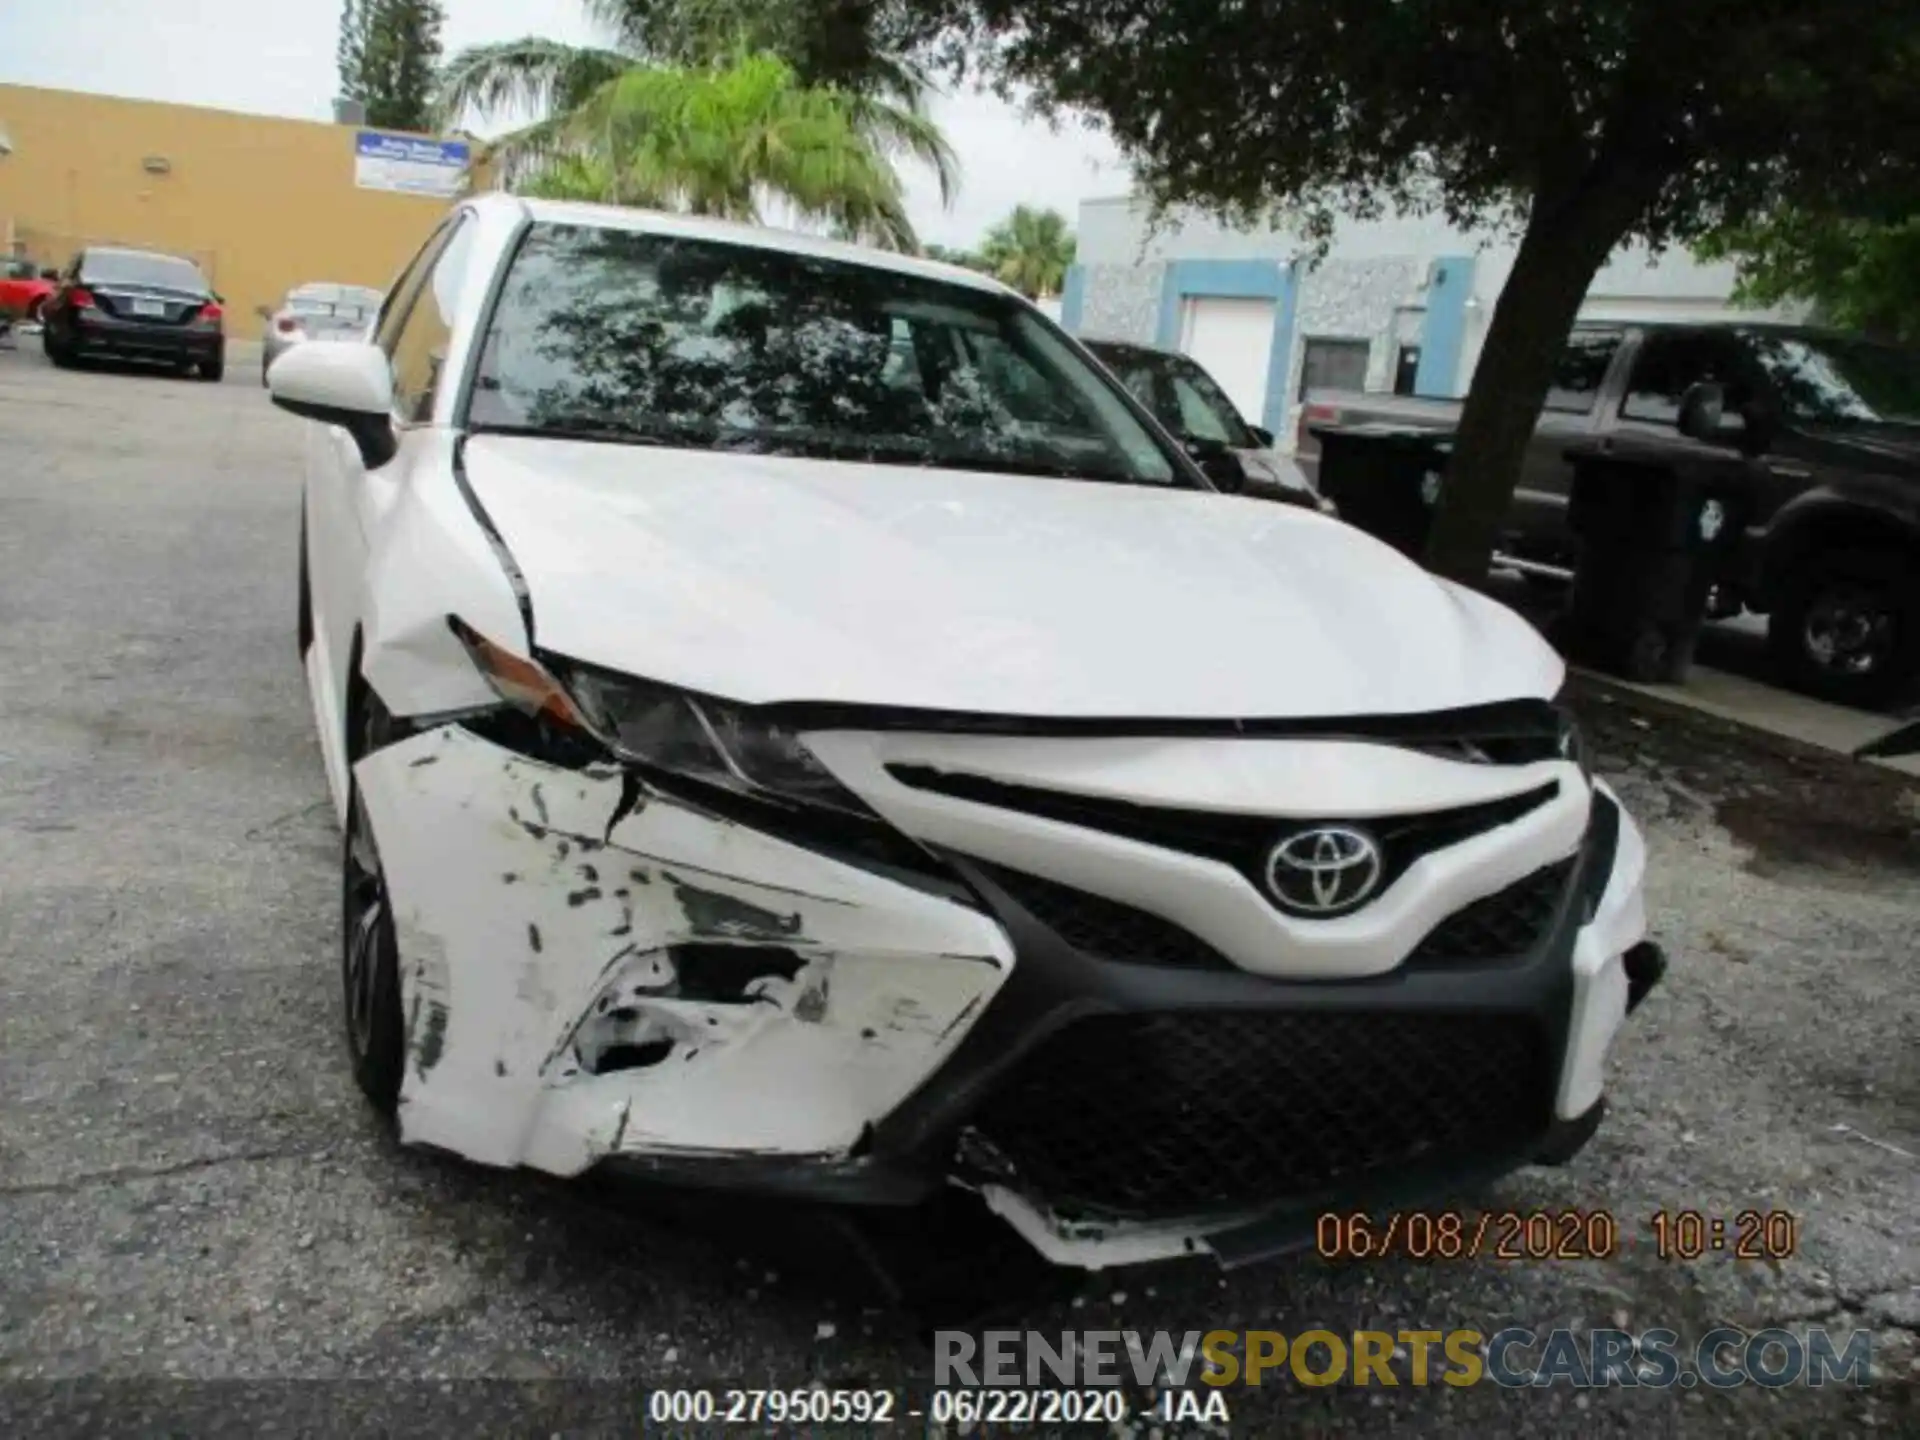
[(24, 289)]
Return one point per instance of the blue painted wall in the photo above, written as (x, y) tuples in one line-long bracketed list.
[(1231, 279), (1273, 280), (1445, 330), (1273, 414), (1073, 293)]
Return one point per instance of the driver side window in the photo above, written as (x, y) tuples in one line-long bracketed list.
[(418, 325), (1197, 417)]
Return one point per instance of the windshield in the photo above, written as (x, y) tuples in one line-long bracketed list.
[(1181, 395), (662, 339), (133, 267), (1836, 380)]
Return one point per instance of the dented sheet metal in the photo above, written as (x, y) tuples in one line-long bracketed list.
[(554, 923)]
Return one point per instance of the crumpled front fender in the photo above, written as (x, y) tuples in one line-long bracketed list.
[(590, 969)]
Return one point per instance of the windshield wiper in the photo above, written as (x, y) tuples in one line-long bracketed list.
[(1006, 465), (578, 427)]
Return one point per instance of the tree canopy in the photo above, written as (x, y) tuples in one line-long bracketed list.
[(879, 92), (1858, 272), (388, 56), (1580, 123), (714, 141)]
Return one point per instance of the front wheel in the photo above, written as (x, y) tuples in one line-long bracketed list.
[(369, 952), (213, 369), (1846, 626)]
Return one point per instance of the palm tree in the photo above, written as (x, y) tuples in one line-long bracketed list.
[(714, 142), (1030, 250), (966, 259), (826, 43)]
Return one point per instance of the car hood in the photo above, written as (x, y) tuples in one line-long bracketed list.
[(765, 578)]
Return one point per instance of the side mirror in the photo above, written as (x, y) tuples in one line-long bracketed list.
[(1217, 463), (1702, 409), (346, 385), (1263, 435)]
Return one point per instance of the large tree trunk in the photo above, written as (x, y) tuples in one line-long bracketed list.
[(1567, 240)]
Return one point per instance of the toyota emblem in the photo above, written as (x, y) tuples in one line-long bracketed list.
[(1324, 871)]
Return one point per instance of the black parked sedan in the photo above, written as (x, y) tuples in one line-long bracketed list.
[(137, 305), (1189, 402)]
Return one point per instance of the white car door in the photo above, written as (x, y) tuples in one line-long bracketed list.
[(346, 502)]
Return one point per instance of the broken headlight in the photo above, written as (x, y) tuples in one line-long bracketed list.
[(711, 741), (706, 739)]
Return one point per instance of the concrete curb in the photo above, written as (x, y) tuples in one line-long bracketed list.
[(1786, 721)]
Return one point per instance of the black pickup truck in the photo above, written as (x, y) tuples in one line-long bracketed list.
[(1832, 425)]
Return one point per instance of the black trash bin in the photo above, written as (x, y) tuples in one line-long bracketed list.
[(1655, 534), (1385, 479)]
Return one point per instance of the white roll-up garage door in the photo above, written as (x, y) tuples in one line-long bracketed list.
[(1232, 340)]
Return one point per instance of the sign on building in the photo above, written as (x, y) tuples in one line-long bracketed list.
[(410, 164)]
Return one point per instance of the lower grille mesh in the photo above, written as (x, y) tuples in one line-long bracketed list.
[(1158, 1116), (1509, 922), (1106, 928)]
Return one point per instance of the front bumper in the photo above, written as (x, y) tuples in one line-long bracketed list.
[(596, 975)]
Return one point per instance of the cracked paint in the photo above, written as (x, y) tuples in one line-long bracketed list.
[(718, 913), (763, 999)]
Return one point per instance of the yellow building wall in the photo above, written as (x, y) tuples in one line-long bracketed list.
[(263, 204)]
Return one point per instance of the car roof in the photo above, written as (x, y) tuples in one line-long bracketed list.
[(731, 232), (129, 252)]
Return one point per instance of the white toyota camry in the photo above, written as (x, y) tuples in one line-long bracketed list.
[(799, 723)]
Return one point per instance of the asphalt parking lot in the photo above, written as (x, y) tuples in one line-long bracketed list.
[(191, 1189)]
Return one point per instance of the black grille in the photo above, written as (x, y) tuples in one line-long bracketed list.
[(1106, 928), (1159, 1116), (1508, 922)]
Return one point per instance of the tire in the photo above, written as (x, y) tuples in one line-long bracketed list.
[(37, 310), (56, 353), (374, 1023), (213, 369), (1845, 625)]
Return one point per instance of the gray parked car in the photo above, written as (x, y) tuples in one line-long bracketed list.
[(318, 311)]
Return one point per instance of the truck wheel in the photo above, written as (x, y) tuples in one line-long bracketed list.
[(1845, 626)]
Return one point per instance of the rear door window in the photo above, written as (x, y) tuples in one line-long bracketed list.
[(1582, 370), (1672, 360)]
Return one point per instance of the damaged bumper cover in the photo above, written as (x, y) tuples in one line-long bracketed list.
[(647, 987), (586, 978)]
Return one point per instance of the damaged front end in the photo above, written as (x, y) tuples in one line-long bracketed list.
[(589, 969), (652, 931)]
